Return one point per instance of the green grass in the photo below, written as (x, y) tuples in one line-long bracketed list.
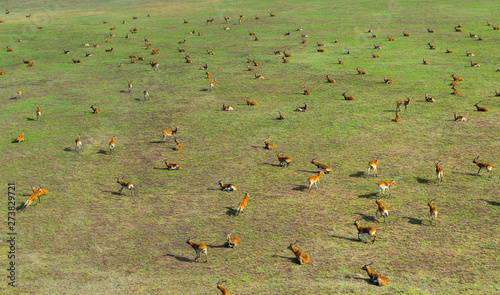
[(85, 239)]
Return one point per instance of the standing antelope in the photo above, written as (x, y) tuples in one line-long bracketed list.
[(199, 248), (129, 87), (375, 278), (223, 289), (251, 102), (439, 172), (486, 166), (38, 113), (385, 186), (323, 167), (269, 145), (497, 93), (78, 143), (19, 92), (284, 160), (111, 145), (401, 102), (480, 109), (167, 132), (302, 109), (282, 116), (178, 146), (364, 231), (95, 110), (433, 212), (381, 209), (372, 166), (315, 180), (347, 97), (330, 80), (125, 184), (171, 166), (301, 257), (146, 94), (227, 186), (459, 118), (242, 205), (30, 200), (231, 242), (212, 84), (20, 137)]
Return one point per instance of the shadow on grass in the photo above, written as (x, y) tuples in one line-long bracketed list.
[(218, 246), (113, 193), (358, 174), (493, 203), (102, 152), (308, 171), (13, 97), (412, 220), (466, 173), (345, 238), (291, 259), (179, 258), (274, 165), (367, 280), (422, 180), (368, 196), (204, 89), (231, 211), (157, 141), (300, 188), (30, 119), (68, 149), (366, 217), (123, 91)]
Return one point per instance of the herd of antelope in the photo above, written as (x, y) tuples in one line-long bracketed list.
[(282, 159)]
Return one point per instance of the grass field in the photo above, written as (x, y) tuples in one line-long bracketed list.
[(85, 238)]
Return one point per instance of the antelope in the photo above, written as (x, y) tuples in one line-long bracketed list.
[(226, 28), (285, 60), (401, 102), (320, 50), (455, 91), (330, 80), (448, 50), (30, 200), (19, 92), (204, 68), (284, 160), (95, 110), (255, 63), (474, 65), (113, 28), (315, 180), (364, 231), (155, 65), (227, 19), (111, 35), (479, 38), (88, 54), (146, 94), (487, 167), (20, 137), (210, 21), (127, 36), (38, 113), (304, 41), (372, 165), (226, 108), (249, 60), (242, 205), (391, 38), (186, 21), (348, 51), (111, 145), (488, 23), (256, 38), (269, 145), (287, 54), (426, 62), (301, 257), (231, 242), (223, 289), (385, 186), (282, 116), (497, 93), (472, 35), (439, 172), (134, 17), (9, 49), (323, 167), (375, 278), (336, 41), (182, 42), (26, 61), (375, 55), (125, 184), (107, 40), (431, 46), (360, 72), (251, 33), (109, 50), (467, 53), (85, 44), (406, 34), (208, 75), (347, 97), (181, 49), (305, 91), (2, 72), (302, 109), (319, 44), (496, 28), (212, 84), (398, 117), (430, 31), (381, 209), (341, 62), (305, 36), (199, 248), (459, 25), (259, 77), (459, 118), (251, 102), (167, 132), (374, 36), (256, 17), (129, 87), (250, 68), (433, 212), (78, 143), (457, 29), (149, 15), (388, 81), (429, 99), (210, 52), (171, 166), (227, 186), (76, 61)]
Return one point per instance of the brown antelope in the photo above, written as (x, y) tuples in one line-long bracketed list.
[(429, 99), (167, 132), (391, 38), (26, 61), (479, 38), (385, 186), (19, 92), (226, 28), (341, 62), (212, 84), (107, 41), (320, 50), (375, 36), (125, 184), (430, 31), (323, 167), (255, 63), (223, 289), (302, 109), (364, 231), (469, 54), (448, 50), (287, 33), (377, 46), (259, 77), (113, 28), (146, 94), (178, 146), (474, 64), (210, 52), (210, 20), (256, 17), (249, 60), (375, 278), (129, 86), (242, 205), (20, 137), (305, 91), (208, 75), (30, 200), (406, 34), (251, 33), (426, 62), (398, 117), (251, 102), (301, 257), (457, 29), (171, 166), (487, 167), (285, 60), (496, 28), (205, 67), (372, 165), (282, 116), (250, 68), (199, 248), (278, 52), (401, 102), (226, 108), (76, 61), (347, 97), (330, 80), (88, 54), (231, 242), (381, 209), (38, 113), (304, 41), (455, 90), (348, 51), (439, 172), (388, 81), (459, 118), (315, 180), (227, 19), (127, 36), (9, 49), (227, 186), (432, 47), (459, 25), (78, 143), (472, 35), (181, 49), (269, 145), (111, 145), (95, 110), (433, 212), (375, 55), (2, 72), (284, 160), (360, 72), (319, 44), (497, 93), (256, 38)]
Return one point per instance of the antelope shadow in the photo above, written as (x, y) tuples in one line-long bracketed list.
[(274, 165), (30, 119), (179, 258), (366, 217), (358, 174), (368, 196), (422, 180), (231, 211), (300, 188), (493, 203), (345, 238), (412, 220), (113, 193), (291, 259), (101, 151)]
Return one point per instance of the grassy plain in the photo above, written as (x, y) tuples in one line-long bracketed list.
[(84, 238)]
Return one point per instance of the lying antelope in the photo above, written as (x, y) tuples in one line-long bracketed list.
[(388, 81), (199, 248), (406, 34), (251, 102), (305, 91), (497, 93), (385, 186), (242, 205), (377, 46), (301, 257), (375, 278), (315, 180), (375, 55), (285, 60), (330, 80), (223, 289), (320, 50), (20, 137), (472, 35), (364, 231), (302, 109), (398, 117), (232, 242), (432, 47), (227, 108), (125, 184), (433, 212), (259, 77), (178, 146), (439, 172), (287, 54), (459, 118), (372, 165), (391, 38), (426, 62), (227, 186), (323, 167), (284, 160), (429, 99), (480, 109), (171, 166), (448, 50), (77, 61), (347, 97), (381, 209), (485, 166), (269, 145), (360, 72), (469, 54), (474, 64), (341, 62), (430, 31)]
